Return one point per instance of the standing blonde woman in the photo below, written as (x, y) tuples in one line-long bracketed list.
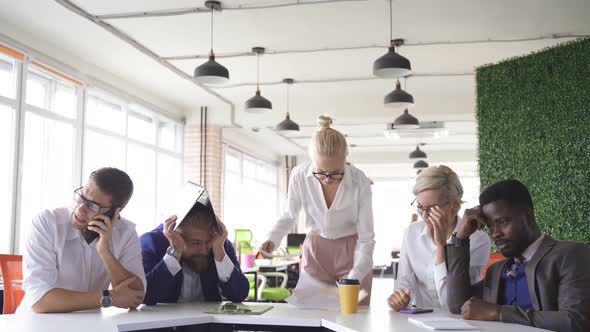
[(337, 202), (422, 275)]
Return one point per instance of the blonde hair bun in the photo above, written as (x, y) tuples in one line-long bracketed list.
[(324, 122)]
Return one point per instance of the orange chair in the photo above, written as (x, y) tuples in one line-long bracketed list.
[(494, 257), (12, 277)]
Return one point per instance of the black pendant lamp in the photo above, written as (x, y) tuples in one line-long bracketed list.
[(406, 121), (398, 98), (211, 72), (392, 64), (258, 104), (420, 164), (418, 154), (287, 124)]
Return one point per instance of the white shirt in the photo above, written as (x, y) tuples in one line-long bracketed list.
[(351, 212), (191, 289), (57, 256), (427, 281)]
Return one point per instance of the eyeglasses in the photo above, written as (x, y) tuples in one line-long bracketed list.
[(324, 176), (92, 205), (420, 209), (231, 308)]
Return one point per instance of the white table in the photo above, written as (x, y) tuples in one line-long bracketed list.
[(147, 317), (278, 265)]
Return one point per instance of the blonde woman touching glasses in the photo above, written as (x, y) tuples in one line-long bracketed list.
[(337, 201), (422, 275)]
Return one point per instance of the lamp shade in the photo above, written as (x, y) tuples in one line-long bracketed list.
[(211, 72), (398, 98), (287, 125), (417, 154), (258, 104), (420, 164), (392, 65), (406, 121)]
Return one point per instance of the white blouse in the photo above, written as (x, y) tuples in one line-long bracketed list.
[(428, 282), (350, 213)]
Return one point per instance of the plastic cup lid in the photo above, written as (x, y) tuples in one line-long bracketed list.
[(349, 282)]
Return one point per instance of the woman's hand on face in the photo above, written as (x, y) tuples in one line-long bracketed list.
[(440, 226)]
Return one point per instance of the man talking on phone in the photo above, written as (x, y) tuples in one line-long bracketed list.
[(193, 262), (542, 282), (72, 255)]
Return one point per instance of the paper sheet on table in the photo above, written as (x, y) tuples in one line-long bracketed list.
[(442, 323), (311, 293)]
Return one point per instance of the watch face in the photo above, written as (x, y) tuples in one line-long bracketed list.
[(106, 301)]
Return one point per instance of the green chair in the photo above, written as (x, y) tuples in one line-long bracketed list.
[(294, 242), (243, 239), (275, 294), (261, 285)]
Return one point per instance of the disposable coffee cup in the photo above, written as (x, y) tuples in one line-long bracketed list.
[(348, 291)]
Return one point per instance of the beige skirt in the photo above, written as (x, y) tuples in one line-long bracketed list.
[(330, 260)]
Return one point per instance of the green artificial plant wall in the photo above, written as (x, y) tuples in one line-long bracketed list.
[(533, 114)]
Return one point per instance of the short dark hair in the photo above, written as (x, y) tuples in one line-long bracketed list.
[(513, 192), (199, 216), (114, 182)]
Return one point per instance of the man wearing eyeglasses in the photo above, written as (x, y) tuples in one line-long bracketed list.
[(72, 255)]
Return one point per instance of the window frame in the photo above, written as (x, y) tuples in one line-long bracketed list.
[(25, 61)]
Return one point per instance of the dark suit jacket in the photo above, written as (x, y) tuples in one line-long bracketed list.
[(558, 279), (163, 287)]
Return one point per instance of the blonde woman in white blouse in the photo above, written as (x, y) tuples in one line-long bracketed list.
[(422, 271), (337, 202)]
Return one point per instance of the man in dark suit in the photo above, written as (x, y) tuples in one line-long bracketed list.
[(192, 263), (542, 282)]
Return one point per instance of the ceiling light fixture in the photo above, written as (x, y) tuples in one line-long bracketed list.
[(258, 104), (287, 124), (420, 164), (392, 64), (398, 98), (406, 121), (211, 72), (418, 154)]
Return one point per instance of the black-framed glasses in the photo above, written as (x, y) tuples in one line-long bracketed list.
[(421, 209), (92, 205), (324, 176)]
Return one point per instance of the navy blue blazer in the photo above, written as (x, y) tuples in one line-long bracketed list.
[(163, 287)]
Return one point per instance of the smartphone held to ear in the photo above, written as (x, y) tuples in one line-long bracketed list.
[(90, 235)]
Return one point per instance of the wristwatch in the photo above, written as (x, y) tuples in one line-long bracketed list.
[(106, 300), (455, 241), (172, 251)]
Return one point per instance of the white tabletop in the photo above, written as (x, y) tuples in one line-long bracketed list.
[(147, 317), (278, 264)]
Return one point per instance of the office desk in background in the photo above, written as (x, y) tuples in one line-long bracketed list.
[(283, 317)]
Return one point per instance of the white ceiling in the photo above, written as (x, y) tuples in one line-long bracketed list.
[(356, 106)]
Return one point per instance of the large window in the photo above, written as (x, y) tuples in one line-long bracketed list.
[(8, 74), (147, 146), (49, 150), (250, 193)]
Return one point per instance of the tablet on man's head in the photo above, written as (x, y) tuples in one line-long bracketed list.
[(192, 194)]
